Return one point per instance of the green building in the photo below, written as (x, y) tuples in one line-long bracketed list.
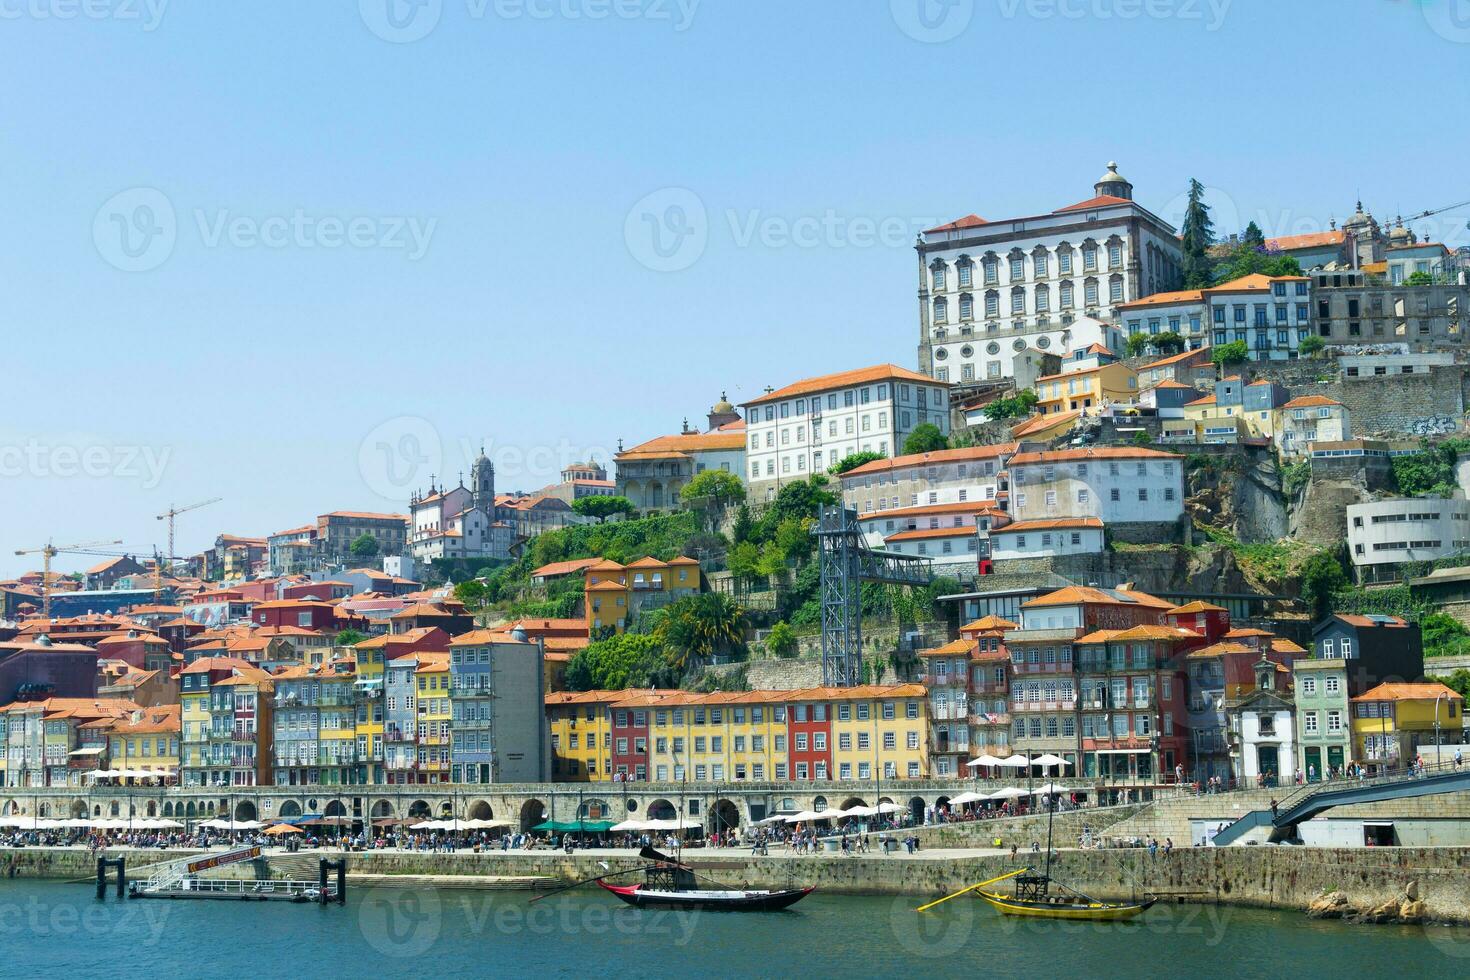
[(1323, 722)]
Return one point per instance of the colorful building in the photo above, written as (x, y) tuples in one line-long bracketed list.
[(615, 594), (1394, 723)]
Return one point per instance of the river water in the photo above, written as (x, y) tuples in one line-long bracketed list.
[(55, 929)]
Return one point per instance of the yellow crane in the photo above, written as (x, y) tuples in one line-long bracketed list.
[(48, 551), (173, 512)]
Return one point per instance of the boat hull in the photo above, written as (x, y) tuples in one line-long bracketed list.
[(1085, 911), (641, 897)]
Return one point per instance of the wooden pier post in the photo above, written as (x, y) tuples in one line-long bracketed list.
[(103, 863)]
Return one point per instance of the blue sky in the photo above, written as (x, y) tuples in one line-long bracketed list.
[(297, 256)]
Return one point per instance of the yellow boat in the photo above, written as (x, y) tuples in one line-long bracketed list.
[(1032, 898)]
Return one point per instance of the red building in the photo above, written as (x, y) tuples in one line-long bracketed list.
[(297, 612), (809, 734)]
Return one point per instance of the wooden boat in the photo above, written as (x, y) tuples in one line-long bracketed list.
[(647, 896), (1033, 897)]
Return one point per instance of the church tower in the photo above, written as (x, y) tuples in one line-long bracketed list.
[(482, 483)]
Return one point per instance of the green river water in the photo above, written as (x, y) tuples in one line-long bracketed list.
[(55, 929)]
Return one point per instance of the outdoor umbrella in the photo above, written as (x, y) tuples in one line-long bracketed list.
[(803, 816), (1015, 762), (281, 829), (618, 828), (969, 796), (1009, 793)]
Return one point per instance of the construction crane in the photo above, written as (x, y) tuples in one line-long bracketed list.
[(173, 512), (49, 551)]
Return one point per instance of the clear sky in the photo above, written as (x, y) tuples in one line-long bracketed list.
[(299, 255)]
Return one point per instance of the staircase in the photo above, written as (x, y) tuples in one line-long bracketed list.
[(1171, 816)]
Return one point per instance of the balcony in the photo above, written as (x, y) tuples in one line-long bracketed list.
[(945, 680), (1003, 719), (948, 712)]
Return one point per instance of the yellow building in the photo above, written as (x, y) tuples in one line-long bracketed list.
[(1394, 723), (337, 726), (1086, 390), (147, 740), (615, 594), (581, 736), (880, 732), (434, 715), (369, 720)]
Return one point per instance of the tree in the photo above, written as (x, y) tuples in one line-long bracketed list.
[(743, 559), (1253, 237), (1142, 438), (1322, 577), (1248, 260), (620, 661), (1420, 278), (473, 593), (852, 461), (603, 507), (1442, 634), (1311, 346), (349, 637), (711, 492), (772, 560), (1459, 682), (800, 499), (1430, 471), (1198, 236), (743, 526), (1138, 343), (1234, 352), (925, 438), (781, 641), (698, 628), (1018, 406), (364, 546), (794, 536), (1168, 342)]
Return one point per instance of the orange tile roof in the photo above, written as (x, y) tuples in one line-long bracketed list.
[(1312, 401), (365, 515), (1253, 283), (846, 379), (1052, 524), (1171, 383), (1100, 452), (606, 585), (1313, 240), (1085, 595), (1040, 423), (950, 649), (1165, 299), (928, 459), (605, 565), (1102, 201), (164, 718), (1421, 691), (988, 623), (557, 568), (959, 224), (1165, 361), (690, 442), (1196, 607), (1201, 402), (931, 532), (481, 637)]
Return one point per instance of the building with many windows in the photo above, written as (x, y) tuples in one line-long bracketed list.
[(990, 289), (497, 698), (1270, 314), (1116, 484), (1323, 720), (1382, 535), (813, 424)]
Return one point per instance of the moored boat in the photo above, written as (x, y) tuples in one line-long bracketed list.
[(707, 899), (1033, 897)]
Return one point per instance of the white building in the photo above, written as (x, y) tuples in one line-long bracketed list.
[(1045, 539), (808, 426), (1385, 533), (953, 550), (946, 476), (458, 522), (1263, 730), (989, 289), (878, 526), (1117, 484), (1272, 314)]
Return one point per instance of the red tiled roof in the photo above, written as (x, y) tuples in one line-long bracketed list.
[(1103, 201), (846, 379), (937, 456), (968, 221)]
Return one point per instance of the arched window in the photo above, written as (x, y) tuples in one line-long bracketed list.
[(967, 307), (941, 310)]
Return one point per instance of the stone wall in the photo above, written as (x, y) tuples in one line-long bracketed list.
[(1424, 403)]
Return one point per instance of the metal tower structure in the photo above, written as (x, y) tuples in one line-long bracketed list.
[(846, 563)]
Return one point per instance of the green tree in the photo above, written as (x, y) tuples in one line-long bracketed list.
[(1248, 260), (1138, 343), (620, 661), (1253, 237), (781, 641), (364, 546), (1018, 406), (800, 499), (698, 628), (794, 537), (1420, 278), (1459, 682), (925, 438), (1168, 342), (1442, 634), (743, 559), (711, 492), (1198, 236), (1322, 577), (743, 526), (349, 637), (1225, 355), (1430, 471), (1142, 438), (852, 461), (603, 507), (772, 561), (1311, 346), (473, 593)]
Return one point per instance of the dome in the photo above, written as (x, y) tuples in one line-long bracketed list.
[(1400, 236), (1113, 184), (1360, 219), (1112, 176), (723, 406)]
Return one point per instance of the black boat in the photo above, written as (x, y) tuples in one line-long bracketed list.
[(669, 884)]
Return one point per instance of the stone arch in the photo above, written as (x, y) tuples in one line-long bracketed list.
[(533, 812), (190, 811), (152, 809), (819, 803), (419, 809), (335, 809), (115, 809), (290, 808), (168, 809), (480, 810), (662, 809), (851, 802), (594, 809), (245, 810), (941, 801), (723, 816), (916, 809), (381, 809), (446, 808), (78, 808)]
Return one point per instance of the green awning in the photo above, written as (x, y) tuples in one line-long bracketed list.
[(577, 826)]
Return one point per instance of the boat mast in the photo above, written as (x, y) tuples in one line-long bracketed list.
[(1050, 814)]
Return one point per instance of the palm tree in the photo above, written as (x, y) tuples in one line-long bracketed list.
[(698, 628)]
